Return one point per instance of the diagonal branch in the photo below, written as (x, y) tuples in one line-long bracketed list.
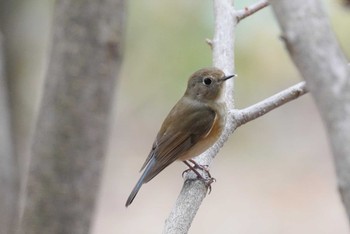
[(267, 105), (247, 11)]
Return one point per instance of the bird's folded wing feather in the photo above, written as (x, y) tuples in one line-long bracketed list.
[(178, 135)]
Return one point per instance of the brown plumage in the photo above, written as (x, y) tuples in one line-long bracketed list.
[(191, 127)]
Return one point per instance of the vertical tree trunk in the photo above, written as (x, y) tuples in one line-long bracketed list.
[(72, 130), (315, 51), (9, 186), (194, 191)]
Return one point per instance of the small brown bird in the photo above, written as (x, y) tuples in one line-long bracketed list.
[(192, 126)]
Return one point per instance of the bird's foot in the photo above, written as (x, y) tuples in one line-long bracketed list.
[(208, 180)]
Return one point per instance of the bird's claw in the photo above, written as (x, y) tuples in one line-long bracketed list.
[(185, 171), (208, 180)]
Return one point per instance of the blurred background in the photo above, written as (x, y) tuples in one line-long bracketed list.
[(274, 175)]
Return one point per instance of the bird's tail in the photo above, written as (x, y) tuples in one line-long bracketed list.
[(139, 183)]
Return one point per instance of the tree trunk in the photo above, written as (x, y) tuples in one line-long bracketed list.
[(71, 134), (315, 51), (9, 186)]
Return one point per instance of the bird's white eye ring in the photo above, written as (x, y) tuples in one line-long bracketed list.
[(207, 81)]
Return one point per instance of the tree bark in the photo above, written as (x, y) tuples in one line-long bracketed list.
[(71, 134), (9, 180), (194, 191), (315, 51)]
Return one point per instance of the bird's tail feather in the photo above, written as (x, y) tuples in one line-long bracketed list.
[(139, 183)]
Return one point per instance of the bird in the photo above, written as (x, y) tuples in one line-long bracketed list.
[(192, 126)]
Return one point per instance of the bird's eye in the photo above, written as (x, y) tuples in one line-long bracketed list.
[(207, 81)]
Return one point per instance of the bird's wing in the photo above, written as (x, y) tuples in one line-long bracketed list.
[(178, 135)]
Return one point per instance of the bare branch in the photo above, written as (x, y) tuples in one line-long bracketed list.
[(247, 11), (182, 215), (209, 42), (267, 105), (194, 191)]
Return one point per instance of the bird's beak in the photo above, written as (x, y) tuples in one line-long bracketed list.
[(228, 77)]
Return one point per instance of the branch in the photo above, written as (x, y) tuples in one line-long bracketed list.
[(247, 11), (267, 105), (194, 190)]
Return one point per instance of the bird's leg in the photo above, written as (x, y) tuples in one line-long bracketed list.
[(207, 181), (202, 167), (191, 168)]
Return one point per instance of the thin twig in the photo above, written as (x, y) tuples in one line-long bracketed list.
[(265, 106), (247, 11), (209, 42)]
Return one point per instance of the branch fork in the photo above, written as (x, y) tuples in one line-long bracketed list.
[(194, 190)]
